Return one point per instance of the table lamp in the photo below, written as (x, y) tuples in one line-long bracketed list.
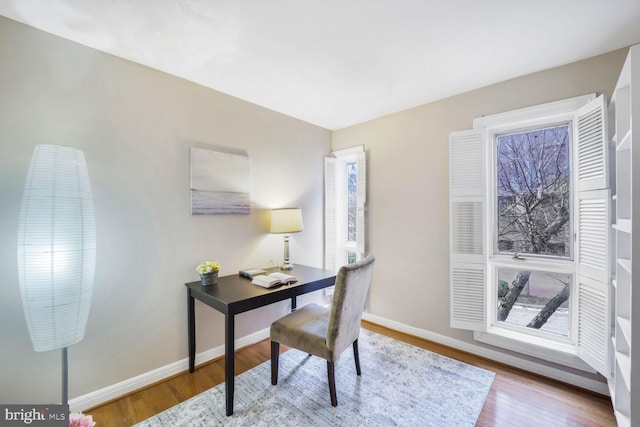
[(56, 250), (286, 221)]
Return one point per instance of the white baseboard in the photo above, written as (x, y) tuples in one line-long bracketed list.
[(115, 391), (527, 365)]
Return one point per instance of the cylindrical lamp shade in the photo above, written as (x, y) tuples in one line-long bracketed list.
[(286, 220), (56, 247)]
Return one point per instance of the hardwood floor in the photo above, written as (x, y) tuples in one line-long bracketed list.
[(517, 398)]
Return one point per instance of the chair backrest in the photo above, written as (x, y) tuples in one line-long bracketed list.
[(349, 298)]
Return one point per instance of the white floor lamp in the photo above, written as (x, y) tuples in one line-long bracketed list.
[(57, 250)]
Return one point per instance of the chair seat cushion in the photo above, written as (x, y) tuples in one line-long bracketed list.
[(304, 329)]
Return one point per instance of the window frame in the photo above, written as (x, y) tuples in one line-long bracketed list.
[(467, 270), (537, 262)]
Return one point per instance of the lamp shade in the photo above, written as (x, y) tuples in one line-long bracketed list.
[(286, 220), (56, 247)]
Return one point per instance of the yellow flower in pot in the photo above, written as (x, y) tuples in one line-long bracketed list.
[(208, 272)]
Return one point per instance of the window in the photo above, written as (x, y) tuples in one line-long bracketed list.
[(533, 186), (345, 197), (540, 300), (529, 210), (352, 200), (533, 205)]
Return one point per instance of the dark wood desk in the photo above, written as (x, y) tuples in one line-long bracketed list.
[(235, 294)]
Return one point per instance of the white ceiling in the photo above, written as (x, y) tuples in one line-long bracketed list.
[(335, 63)]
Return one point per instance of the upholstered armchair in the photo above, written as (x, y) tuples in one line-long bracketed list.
[(327, 331)]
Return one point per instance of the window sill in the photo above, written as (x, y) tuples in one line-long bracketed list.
[(549, 350)]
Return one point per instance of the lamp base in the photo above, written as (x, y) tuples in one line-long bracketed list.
[(286, 266)]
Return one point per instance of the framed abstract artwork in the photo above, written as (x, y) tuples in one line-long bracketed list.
[(220, 183)]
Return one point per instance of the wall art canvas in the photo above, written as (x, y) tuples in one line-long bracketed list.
[(219, 183)]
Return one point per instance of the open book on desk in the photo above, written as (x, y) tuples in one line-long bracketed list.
[(273, 279)]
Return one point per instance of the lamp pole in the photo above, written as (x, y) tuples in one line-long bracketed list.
[(65, 377)]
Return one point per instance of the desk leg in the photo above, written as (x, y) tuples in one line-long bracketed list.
[(229, 362), (191, 320)]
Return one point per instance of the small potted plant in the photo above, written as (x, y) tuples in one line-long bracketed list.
[(209, 272)]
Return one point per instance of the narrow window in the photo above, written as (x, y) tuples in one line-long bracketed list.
[(345, 197), (352, 199)]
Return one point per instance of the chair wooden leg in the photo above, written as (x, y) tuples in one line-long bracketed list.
[(331, 374), (275, 356), (356, 357)]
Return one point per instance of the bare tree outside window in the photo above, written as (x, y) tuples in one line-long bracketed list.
[(542, 302), (533, 218), (533, 182)]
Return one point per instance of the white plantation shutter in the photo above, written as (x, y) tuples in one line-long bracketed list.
[(594, 224), (467, 230), (360, 203), (330, 199), (594, 324), (591, 145), (467, 163), (593, 260), (468, 296)]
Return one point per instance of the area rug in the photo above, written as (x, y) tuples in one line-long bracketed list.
[(400, 385)]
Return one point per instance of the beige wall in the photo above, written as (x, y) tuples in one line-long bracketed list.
[(408, 204), (135, 126)]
